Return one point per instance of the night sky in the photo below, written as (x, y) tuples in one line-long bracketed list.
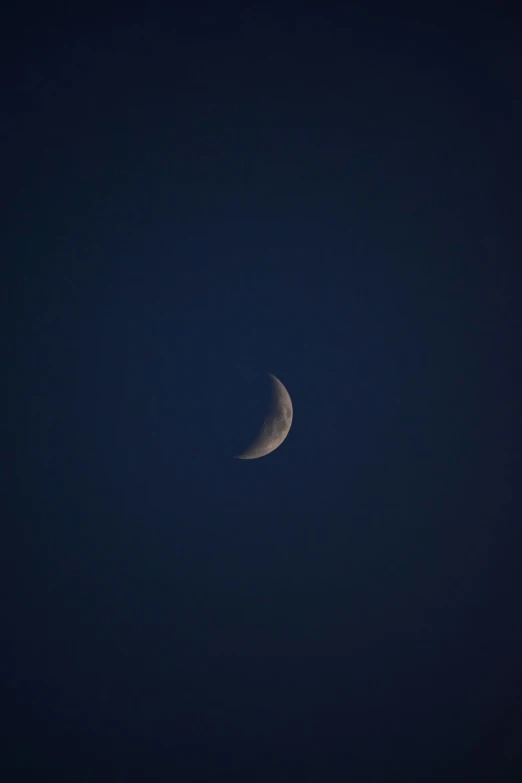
[(197, 198)]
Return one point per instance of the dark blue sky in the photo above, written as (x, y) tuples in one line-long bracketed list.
[(197, 198)]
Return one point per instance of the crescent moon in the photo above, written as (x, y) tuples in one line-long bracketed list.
[(276, 424)]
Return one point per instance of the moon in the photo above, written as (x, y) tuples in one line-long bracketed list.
[(276, 424)]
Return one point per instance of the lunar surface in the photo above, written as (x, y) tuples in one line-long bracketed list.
[(276, 425)]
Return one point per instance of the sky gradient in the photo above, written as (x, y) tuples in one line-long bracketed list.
[(197, 198)]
